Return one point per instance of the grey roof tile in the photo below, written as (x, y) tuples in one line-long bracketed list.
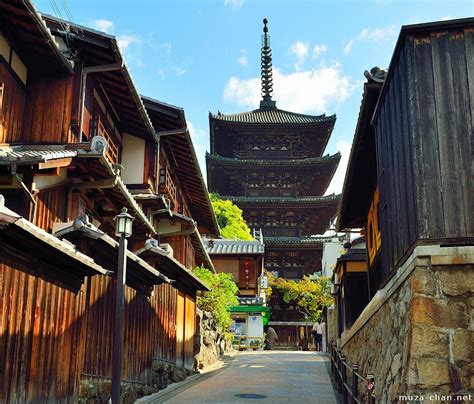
[(225, 246), (23, 154), (273, 115), (268, 162)]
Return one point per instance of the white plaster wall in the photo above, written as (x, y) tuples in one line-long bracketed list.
[(332, 250), (133, 159)]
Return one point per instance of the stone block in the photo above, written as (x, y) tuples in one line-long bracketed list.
[(177, 374), (463, 346), (426, 373), (423, 281), (441, 313), (427, 342), (129, 395), (105, 390), (457, 281), (87, 389)]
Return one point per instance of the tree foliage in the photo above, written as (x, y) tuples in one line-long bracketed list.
[(220, 298), (230, 220), (309, 296)]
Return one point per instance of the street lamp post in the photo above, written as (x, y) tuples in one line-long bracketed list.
[(123, 229)]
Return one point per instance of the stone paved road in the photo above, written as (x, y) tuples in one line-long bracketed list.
[(282, 377)]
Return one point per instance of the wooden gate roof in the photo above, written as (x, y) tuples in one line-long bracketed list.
[(25, 243), (182, 276), (104, 249)]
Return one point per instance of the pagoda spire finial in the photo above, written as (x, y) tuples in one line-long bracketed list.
[(267, 74)]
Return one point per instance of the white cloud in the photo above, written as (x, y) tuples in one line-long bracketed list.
[(319, 50), (179, 70), (243, 60), (338, 180), (447, 17), (308, 91), (300, 49), (106, 26), (348, 47), (375, 35), (166, 47), (199, 139), (195, 132), (126, 40), (161, 73), (235, 4)]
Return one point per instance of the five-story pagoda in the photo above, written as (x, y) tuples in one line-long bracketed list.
[(270, 163)]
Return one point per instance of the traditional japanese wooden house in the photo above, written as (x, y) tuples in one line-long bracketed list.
[(351, 284), (409, 185), (270, 163), (244, 260), (71, 124)]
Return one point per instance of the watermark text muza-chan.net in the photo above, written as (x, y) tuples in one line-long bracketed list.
[(436, 397)]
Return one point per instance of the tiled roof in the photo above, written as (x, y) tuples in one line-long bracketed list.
[(354, 254), (33, 154), (305, 200), (223, 246), (295, 240), (269, 162), (273, 115)]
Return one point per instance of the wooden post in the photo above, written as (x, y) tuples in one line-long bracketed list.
[(339, 372), (355, 387), (344, 380)]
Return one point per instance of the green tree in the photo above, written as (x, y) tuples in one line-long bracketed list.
[(309, 296), (230, 220), (222, 295)]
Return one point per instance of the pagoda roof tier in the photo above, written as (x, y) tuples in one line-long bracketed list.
[(295, 241), (311, 132), (312, 215), (272, 116), (309, 176), (312, 201), (244, 163)]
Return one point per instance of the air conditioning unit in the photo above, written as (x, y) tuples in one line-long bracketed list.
[(167, 248)]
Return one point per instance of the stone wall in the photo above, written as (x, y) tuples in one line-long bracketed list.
[(417, 335), (211, 344)]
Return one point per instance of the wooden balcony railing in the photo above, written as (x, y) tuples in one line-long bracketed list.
[(98, 129), (349, 389), (167, 187)]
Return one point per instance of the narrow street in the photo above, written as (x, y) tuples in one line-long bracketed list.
[(276, 377)]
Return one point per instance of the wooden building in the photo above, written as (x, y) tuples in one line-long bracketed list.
[(351, 285), (77, 145), (409, 185), (244, 260), (270, 163)]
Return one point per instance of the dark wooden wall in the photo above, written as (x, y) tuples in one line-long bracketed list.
[(13, 104), (148, 332), (425, 143), (48, 111), (40, 338), (45, 118), (51, 337)]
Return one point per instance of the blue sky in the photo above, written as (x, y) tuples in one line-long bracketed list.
[(205, 55)]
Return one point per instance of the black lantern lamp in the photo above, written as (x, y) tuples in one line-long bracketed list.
[(123, 224)]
